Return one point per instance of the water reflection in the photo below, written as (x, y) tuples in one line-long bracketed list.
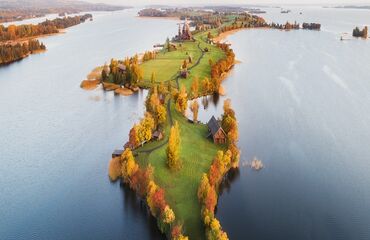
[(230, 177), (139, 208)]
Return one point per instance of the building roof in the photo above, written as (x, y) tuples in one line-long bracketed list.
[(214, 126), (122, 67), (157, 134), (117, 152)]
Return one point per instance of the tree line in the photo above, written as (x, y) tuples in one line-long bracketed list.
[(13, 32), (141, 180), (125, 73), (10, 53), (360, 33), (154, 118), (222, 163)]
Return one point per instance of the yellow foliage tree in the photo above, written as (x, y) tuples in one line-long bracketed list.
[(206, 85), (173, 148), (195, 87), (146, 128), (161, 114), (152, 188), (129, 166), (168, 215), (194, 107), (216, 232), (115, 169), (182, 237), (182, 100), (203, 188)]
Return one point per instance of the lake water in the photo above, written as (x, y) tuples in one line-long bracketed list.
[(57, 139), (302, 101)]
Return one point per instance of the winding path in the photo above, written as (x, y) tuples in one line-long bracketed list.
[(148, 151), (176, 77)]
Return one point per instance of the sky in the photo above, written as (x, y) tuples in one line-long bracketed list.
[(225, 2)]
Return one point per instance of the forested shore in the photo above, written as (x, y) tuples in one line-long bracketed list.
[(18, 42), (11, 53), (13, 32), (18, 10)]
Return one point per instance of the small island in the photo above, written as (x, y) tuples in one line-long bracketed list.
[(173, 163), (360, 33)]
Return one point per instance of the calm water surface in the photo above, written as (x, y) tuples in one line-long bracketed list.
[(56, 139), (302, 100)]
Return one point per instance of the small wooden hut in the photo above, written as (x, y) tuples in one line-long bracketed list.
[(216, 131)]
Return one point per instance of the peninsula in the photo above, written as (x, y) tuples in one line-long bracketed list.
[(18, 42), (173, 163)]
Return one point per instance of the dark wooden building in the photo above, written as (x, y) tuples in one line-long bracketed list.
[(117, 153), (216, 131), (158, 135)]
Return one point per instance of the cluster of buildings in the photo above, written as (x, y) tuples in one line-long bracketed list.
[(184, 33)]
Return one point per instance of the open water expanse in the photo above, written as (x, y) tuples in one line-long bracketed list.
[(302, 99)]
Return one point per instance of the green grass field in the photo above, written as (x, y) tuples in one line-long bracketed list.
[(197, 153), (167, 64)]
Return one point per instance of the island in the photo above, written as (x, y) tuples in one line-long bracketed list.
[(18, 42), (17, 10), (360, 33), (174, 163)]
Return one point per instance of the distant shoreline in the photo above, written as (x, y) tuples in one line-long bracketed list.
[(152, 17), (26, 39)]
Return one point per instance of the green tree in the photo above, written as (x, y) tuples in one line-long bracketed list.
[(153, 78)]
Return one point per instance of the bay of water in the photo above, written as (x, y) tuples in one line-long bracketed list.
[(56, 139), (301, 98)]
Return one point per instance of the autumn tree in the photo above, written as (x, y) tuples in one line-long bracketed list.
[(159, 201), (129, 166), (137, 74), (146, 128), (161, 114), (173, 148), (182, 100), (153, 78), (215, 232), (206, 85), (134, 140), (154, 106), (195, 87), (140, 180), (229, 123), (152, 188), (162, 89), (211, 199), (195, 108), (168, 216), (203, 188), (185, 64)]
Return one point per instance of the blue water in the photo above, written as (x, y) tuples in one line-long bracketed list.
[(301, 98), (57, 139)]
